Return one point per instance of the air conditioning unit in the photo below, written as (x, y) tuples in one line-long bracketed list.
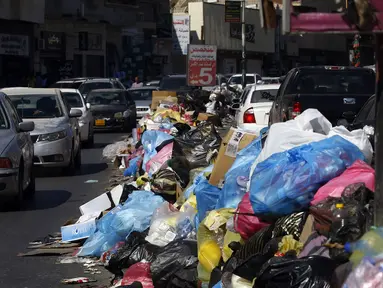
[(41, 44)]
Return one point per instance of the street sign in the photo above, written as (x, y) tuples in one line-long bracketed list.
[(233, 11), (202, 65)]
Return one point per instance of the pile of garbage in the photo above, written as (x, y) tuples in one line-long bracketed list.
[(291, 207)]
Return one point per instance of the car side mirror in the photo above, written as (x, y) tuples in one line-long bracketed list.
[(259, 82), (88, 105), (235, 106), (75, 113), (26, 126)]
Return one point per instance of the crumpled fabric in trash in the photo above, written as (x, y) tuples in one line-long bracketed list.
[(134, 215), (164, 182), (286, 182)]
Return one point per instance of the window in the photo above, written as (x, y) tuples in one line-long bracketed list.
[(73, 99), (12, 111), (244, 96), (3, 118), (37, 106), (335, 82), (87, 87), (263, 95), (69, 85), (139, 94), (237, 80), (119, 85), (258, 78), (107, 98)]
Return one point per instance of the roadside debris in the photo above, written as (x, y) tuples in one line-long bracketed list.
[(78, 280), (191, 205)]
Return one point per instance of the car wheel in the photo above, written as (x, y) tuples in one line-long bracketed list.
[(31, 189), (70, 170), (90, 141), (19, 201), (77, 159)]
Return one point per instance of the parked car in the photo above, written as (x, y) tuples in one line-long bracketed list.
[(253, 111), (337, 92), (16, 153), (270, 80), (112, 109), (75, 100), (56, 135), (236, 80), (85, 85), (143, 98), (155, 83)]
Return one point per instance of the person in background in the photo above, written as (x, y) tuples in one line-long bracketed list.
[(128, 82), (137, 83)]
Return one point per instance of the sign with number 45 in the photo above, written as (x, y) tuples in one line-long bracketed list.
[(202, 65)]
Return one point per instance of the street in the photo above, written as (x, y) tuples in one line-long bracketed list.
[(57, 200)]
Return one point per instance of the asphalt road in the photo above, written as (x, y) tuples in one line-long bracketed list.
[(57, 200)]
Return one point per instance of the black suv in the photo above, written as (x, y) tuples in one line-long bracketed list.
[(85, 85)]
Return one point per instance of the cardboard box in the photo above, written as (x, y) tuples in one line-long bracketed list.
[(158, 96), (78, 231), (234, 141), (204, 116), (103, 202)]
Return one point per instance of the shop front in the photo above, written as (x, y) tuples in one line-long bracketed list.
[(16, 52)]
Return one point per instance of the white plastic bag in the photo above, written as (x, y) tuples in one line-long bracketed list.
[(169, 224)]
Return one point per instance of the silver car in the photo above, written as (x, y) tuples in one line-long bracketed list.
[(143, 98), (57, 134), (16, 153)]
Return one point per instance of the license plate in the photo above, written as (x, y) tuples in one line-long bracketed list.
[(100, 122)]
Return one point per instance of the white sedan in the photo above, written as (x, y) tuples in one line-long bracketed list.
[(236, 80), (254, 109), (74, 99)]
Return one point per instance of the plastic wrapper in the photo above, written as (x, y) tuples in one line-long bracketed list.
[(133, 167), (139, 272), (158, 160), (245, 222), (105, 257), (134, 215), (358, 172), (368, 274), (112, 150), (150, 141), (164, 182), (286, 182), (169, 224), (232, 191), (290, 272), (174, 257)]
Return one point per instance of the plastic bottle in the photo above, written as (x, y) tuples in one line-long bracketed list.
[(371, 244), (340, 218)]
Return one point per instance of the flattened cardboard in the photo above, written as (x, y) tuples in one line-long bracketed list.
[(204, 116), (224, 162)]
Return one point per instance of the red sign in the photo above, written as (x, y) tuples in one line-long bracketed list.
[(202, 65)]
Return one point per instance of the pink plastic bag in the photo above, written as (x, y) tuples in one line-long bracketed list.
[(359, 172), (154, 164), (139, 272), (245, 223)]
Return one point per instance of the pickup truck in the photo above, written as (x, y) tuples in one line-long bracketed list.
[(337, 92)]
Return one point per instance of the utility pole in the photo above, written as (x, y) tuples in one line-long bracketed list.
[(243, 23)]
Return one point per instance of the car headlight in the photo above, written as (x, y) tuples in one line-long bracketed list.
[(53, 136), (126, 114)]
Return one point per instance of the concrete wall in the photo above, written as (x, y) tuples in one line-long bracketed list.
[(24, 10)]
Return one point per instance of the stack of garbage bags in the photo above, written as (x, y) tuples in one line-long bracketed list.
[(294, 210)]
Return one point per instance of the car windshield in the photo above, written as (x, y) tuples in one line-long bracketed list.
[(106, 98), (335, 82), (73, 99), (87, 87), (270, 81), (263, 95), (3, 118), (237, 80), (69, 85), (37, 106), (141, 94), (169, 83)]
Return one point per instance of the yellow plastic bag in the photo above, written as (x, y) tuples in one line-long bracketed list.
[(192, 201), (288, 243), (229, 237)]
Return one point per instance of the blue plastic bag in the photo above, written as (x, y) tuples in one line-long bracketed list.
[(286, 182), (133, 167), (207, 196), (232, 192), (197, 180), (134, 215), (151, 139)]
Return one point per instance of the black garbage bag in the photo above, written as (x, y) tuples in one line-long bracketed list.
[(135, 250), (205, 132), (127, 190), (164, 182), (181, 167), (290, 272), (175, 256), (184, 278), (182, 128)]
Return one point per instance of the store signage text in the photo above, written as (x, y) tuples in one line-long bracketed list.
[(16, 45), (202, 65), (236, 32)]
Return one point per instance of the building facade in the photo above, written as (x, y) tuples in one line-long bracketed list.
[(18, 19)]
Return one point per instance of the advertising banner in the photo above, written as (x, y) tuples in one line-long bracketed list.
[(181, 34), (233, 11), (202, 65)]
